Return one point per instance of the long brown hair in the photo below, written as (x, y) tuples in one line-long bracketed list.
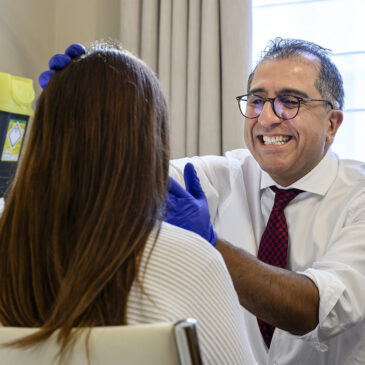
[(89, 189)]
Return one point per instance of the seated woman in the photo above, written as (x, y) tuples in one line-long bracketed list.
[(81, 237)]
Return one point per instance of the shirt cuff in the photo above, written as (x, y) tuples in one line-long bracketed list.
[(330, 290)]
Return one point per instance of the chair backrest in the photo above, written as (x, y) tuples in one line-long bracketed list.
[(152, 344)]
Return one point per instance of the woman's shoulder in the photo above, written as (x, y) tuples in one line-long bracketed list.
[(180, 253), (184, 276), (180, 242), (180, 265)]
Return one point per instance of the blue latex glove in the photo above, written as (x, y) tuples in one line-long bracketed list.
[(188, 208), (60, 61)]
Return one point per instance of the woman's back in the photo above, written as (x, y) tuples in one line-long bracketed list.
[(183, 276)]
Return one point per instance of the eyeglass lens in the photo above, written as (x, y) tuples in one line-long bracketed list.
[(285, 106)]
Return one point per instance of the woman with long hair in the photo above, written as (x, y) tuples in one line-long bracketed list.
[(82, 242)]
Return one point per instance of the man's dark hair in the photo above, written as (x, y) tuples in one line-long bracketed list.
[(329, 82)]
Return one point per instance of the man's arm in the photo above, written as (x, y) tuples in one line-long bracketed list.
[(280, 297)]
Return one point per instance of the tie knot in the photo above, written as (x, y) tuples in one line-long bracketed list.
[(284, 196)]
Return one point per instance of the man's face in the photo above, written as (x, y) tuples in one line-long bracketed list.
[(307, 137)]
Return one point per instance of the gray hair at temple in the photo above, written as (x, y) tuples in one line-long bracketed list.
[(329, 82)]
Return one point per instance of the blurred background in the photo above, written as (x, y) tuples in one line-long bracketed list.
[(202, 51)]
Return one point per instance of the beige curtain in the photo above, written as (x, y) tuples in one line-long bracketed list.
[(201, 52)]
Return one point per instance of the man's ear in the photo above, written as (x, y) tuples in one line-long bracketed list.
[(335, 118)]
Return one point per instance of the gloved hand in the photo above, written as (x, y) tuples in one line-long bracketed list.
[(189, 208), (60, 61)]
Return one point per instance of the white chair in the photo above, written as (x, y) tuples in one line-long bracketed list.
[(152, 344)]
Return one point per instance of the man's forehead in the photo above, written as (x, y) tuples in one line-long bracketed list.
[(303, 59), (298, 68)]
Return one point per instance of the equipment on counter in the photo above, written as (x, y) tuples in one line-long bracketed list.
[(16, 97)]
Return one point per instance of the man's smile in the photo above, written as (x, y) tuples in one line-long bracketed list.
[(274, 140)]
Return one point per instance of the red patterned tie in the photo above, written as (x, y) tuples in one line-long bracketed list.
[(274, 243)]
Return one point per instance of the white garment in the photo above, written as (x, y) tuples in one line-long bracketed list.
[(186, 277), (183, 276), (326, 227)]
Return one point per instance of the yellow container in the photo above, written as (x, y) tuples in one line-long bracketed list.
[(16, 94), (16, 97)]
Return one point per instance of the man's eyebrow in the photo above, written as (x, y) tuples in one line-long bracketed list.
[(257, 90), (285, 91), (295, 92)]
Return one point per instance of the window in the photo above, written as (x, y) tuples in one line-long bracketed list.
[(335, 24)]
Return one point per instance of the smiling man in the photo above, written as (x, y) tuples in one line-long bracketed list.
[(288, 144), (288, 213)]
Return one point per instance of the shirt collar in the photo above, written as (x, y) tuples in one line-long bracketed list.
[(317, 181)]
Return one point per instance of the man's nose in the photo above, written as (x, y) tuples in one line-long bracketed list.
[(267, 116)]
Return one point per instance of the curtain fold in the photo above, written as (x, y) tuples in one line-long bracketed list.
[(201, 52)]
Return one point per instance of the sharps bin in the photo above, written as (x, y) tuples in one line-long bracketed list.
[(16, 97)]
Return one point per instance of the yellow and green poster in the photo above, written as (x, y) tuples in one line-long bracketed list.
[(13, 140)]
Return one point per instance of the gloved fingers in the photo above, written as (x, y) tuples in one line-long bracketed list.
[(172, 210), (192, 182), (212, 236), (170, 202), (176, 189), (44, 78), (75, 50), (59, 61)]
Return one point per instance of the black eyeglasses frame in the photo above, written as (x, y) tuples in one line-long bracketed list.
[(272, 100)]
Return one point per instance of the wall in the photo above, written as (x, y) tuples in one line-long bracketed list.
[(33, 30), (85, 21), (26, 36)]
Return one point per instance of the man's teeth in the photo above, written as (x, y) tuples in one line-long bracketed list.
[(275, 139)]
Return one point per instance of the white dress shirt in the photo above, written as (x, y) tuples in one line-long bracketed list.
[(326, 227)]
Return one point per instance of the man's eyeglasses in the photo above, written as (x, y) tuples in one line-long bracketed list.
[(284, 106)]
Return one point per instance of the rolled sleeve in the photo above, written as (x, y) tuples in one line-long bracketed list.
[(331, 290), (339, 276)]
